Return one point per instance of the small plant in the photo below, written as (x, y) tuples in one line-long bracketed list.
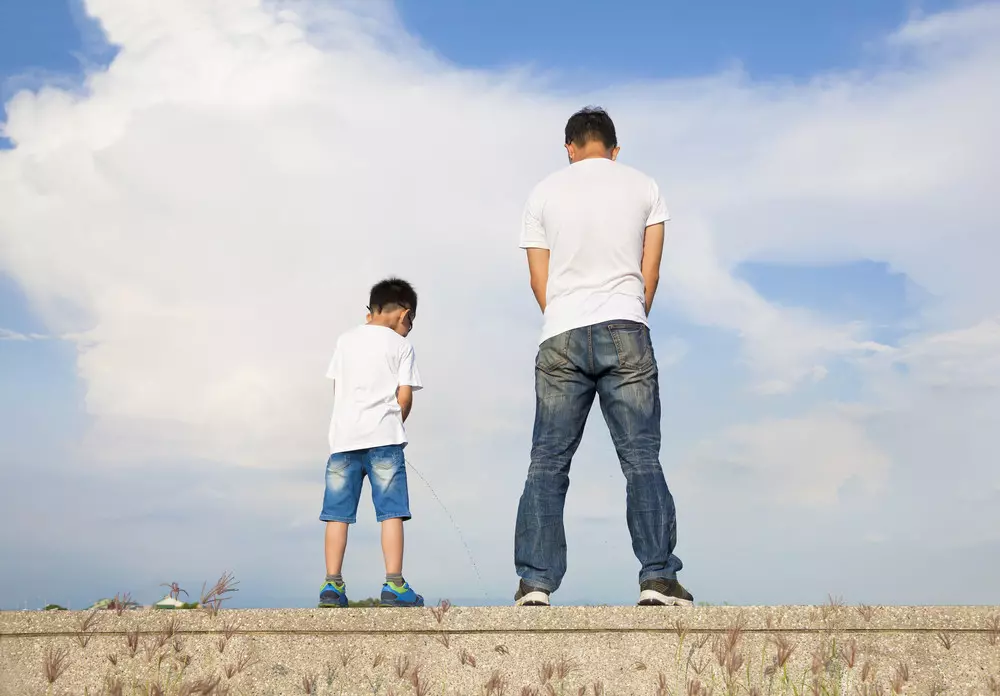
[(206, 686), (213, 597), (993, 629), (378, 660), (132, 642), (849, 653), (639, 666), (113, 659), (945, 639), (440, 610), (402, 666), (564, 667), (54, 663), (86, 627), (466, 658), (900, 676), (121, 603), (496, 686), (113, 686), (529, 691), (331, 674), (444, 639), (501, 650), (832, 607), (347, 656), (419, 684), (308, 684), (866, 612), (546, 672)]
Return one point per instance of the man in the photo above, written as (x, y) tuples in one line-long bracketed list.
[(594, 237)]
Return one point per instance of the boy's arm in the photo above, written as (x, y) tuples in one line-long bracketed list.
[(409, 380), (404, 395)]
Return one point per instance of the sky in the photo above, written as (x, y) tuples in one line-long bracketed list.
[(195, 197)]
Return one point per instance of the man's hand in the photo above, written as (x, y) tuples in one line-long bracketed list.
[(404, 395), (538, 268), (652, 252)]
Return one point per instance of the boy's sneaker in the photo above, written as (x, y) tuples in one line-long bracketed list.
[(394, 595), (333, 596), (661, 592), (528, 596)]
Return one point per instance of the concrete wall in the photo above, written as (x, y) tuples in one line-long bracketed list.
[(507, 651)]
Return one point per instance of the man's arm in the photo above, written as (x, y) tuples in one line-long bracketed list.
[(538, 269), (404, 395), (652, 252)]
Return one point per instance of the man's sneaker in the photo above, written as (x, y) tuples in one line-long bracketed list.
[(661, 592), (528, 596), (394, 595), (333, 596)]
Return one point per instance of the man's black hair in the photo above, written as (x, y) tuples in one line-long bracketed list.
[(392, 292), (591, 123)]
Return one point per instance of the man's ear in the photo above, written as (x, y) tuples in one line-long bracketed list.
[(570, 152)]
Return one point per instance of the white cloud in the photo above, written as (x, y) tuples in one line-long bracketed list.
[(205, 215)]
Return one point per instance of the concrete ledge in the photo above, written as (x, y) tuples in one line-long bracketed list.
[(530, 650)]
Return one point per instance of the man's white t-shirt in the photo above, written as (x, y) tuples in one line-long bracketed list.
[(369, 363), (592, 217)]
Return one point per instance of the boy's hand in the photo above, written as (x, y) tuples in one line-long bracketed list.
[(404, 395)]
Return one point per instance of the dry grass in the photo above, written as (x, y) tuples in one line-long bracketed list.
[(132, 642), (378, 660), (213, 597), (440, 610), (496, 685), (402, 666), (466, 658), (444, 639), (993, 629), (86, 627), (946, 639), (308, 684), (54, 663), (866, 612)]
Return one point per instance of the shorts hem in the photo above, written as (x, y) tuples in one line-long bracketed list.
[(335, 518), (391, 516)]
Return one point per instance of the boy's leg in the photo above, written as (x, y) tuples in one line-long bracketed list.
[(344, 473), (336, 544), (386, 469), (392, 546), (564, 393)]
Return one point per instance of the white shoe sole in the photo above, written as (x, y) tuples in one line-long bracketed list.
[(533, 599), (654, 598)]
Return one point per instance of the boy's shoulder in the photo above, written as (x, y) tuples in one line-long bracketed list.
[(372, 336)]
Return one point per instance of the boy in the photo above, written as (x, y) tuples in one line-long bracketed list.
[(374, 374)]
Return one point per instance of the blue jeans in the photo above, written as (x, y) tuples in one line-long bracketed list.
[(384, 466), (615, 361)]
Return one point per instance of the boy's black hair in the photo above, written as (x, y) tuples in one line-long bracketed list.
[(591, 123), (392, 292)]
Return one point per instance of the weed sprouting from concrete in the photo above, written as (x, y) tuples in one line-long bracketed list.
[(466, 658), (661, 685), (420, 685), (132, 641), (866, 612), (402, 666), (900, 676), (378, 660), (308, 684), (501, 650), (945, 639), (993, 629), (444, 639), (440, 610), (529, 691), (86, 627), (347, 656), (54, 663), (849, 653), (496, 685), (213, 597), (121, 603), (113, 659)]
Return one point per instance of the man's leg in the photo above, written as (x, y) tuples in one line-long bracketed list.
[(629, 391), (564, 393)]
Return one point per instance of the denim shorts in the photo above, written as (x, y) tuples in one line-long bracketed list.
[(385, 468)]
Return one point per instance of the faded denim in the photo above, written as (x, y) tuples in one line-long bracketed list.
[(615, 361)]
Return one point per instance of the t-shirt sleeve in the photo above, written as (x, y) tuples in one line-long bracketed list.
[(532, 231), (409, 376), (658, 208)]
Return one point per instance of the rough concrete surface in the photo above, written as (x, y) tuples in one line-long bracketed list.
[(505, 651)]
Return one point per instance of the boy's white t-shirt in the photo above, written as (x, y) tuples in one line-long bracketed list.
[(592, 217), (369, 363)]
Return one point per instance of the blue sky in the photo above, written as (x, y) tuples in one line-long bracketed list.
[(178, 243)]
